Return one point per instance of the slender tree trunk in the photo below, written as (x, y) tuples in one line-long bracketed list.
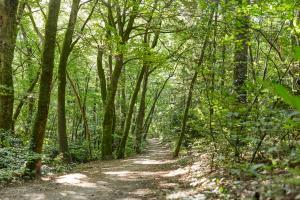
[(241, 54), (25, 97), (62, 80), (141, 115), (186, 112), (101, 75), (83, 114), (190, 93), (240, 64), (148, 120), (33, 80), (39, 126), (123, 99), (109, 109), (8, 33), (30, 111), (121, 150)]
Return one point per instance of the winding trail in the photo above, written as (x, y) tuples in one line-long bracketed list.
[(147, 176)]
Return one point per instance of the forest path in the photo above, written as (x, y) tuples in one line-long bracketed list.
[(151, 175)]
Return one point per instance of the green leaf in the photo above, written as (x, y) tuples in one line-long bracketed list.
[(287, 97), (297, 53)]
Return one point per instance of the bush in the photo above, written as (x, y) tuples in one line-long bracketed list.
[(79, 152)]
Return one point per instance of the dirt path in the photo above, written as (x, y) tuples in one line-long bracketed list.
[(148, 176)]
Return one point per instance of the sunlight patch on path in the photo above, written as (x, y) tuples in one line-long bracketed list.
[(142, 192), (73, 195), (168, 185), (145, 176), (76, 179), (186, 195), (135, 174), (177, 172), (36, 196), (152, 162)]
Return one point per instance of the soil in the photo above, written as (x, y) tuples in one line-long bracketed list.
[(152, 175)]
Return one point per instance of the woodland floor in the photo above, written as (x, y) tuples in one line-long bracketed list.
[(152, 175)]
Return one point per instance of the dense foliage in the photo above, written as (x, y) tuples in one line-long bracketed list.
[(219, 76)]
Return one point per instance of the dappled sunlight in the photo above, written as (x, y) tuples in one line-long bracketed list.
[(142, 192), (186, 194), (102, 183), (74, 195), (154, 152), (142, 177), (75, 179), (135, 174), (35, 196), (177, 172), (168, 185), (118, 173), (152, 162)]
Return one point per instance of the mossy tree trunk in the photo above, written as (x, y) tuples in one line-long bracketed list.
[(240, 65), (8, 32), (123, 29), (109, 109), (47, 62), (241, 52), (62, 79), (141, 114), (121, 149), (101, 74)]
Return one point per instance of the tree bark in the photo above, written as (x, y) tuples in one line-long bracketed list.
[(109, 109), (186, 112), (101, 75), (123, 99), (39, 126), (141, 115), (121, 150), (61, 92), (241, 54), (8, 33)]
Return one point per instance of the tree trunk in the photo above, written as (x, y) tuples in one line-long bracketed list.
[(141, 115), (186, 112), (61, 92), (190, 94), (109, 109), (33, 80), (101, 75), (83, 114), (148, 120), (123, 100), (8, 32), (241, 55), (24, 98), (39, 126), (121, 150)]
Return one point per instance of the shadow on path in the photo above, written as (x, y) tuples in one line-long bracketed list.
[(147, 176)]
